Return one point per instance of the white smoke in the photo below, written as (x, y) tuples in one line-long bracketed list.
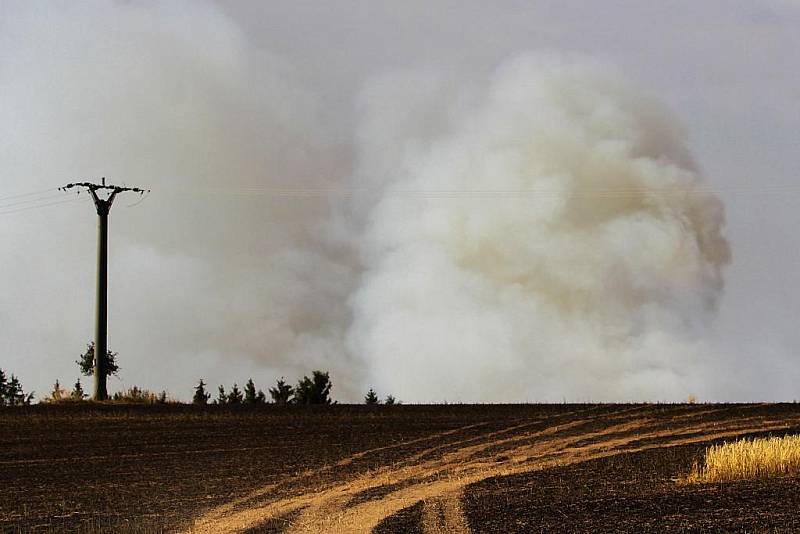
[(545, 237), (208, 277), (503, 243)]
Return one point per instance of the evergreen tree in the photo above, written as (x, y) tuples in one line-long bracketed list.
[(58, 393), (222, 398), (86, 362), (162, 397), (77, 391), (371, 398), (3, 388), (390, 400), (314, 390), (14, 395), (261, 398), (281, 393), (11, 392), (235, 396), (200, 395), (250, 394)]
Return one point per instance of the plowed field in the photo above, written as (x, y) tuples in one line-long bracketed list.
[(450, 468)]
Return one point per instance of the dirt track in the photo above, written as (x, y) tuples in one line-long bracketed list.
[(335, 469), (438, 475)]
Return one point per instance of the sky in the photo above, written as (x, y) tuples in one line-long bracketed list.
[(440, 200)]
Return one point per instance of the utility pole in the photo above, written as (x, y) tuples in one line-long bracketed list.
[(103, 206)]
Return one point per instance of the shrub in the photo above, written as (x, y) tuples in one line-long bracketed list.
[(86, 362), (315, 390), (371, 398), (138, 395), (251, 396), (58, 394), (390, 400), (200, 395), (222, 398), (235, 396), (748, 459), (77, 392), (11, 392), (281, 393)]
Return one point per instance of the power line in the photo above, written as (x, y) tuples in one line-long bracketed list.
[(27, 208), (4, 205), (10, 197), (482, 193), (454, 193), (144, 197)]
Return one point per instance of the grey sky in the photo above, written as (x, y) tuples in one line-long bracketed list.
[(191, 97)]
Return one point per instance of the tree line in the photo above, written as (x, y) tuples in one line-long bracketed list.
[(309, 390), (315, 389)]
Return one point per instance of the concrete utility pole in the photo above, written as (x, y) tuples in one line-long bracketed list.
[(101, 314)]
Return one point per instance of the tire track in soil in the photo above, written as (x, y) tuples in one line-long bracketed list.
[(235, 519), (328, 503), (439, 482), (444, 514), (214, 516)]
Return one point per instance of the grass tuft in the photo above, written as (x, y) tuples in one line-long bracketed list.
[(748, 459)]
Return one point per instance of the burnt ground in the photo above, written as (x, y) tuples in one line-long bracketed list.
[(634, 492), (450, 468), (151, 468)]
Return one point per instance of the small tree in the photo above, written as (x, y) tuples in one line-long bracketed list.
[(14, 394), (222, 398), (11, 392), (162, 397), (235, 396), (261, 398), (315, 390), (390, 400), (58, 393), (250, 394), (3, 388), (200, 395), (371, 398), (281, 393), (86, 362), (77, 391)]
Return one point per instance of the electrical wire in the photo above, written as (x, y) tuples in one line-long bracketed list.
[(11, 197), (610, 193), (331, 192), (144, 196), (27, 208), (4, 205)]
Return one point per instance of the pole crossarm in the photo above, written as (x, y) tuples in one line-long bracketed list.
[(103, 206)]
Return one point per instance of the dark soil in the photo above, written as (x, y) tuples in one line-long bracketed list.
[(635, 492), (128, 468), (112, 468)]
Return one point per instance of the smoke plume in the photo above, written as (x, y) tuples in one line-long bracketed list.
[(549, 237)]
